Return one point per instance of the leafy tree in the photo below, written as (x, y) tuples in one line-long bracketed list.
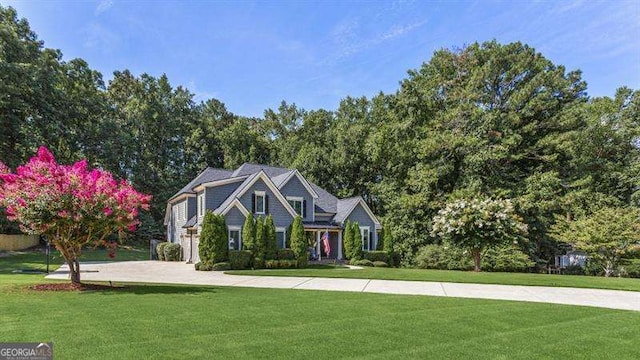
[(260, 240), (608, 236), (249, 234), (299, 242), (72, 206), (477, 224), (206, 247), (347, 240), (271, 248)]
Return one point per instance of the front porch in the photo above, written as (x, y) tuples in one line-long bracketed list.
[(314, 233)]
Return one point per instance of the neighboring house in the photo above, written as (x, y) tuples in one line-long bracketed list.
[(572, 258), (260, 190)]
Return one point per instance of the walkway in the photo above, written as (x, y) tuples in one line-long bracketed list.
[(181, 273)]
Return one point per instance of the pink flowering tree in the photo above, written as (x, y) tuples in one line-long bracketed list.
[(72, 205)]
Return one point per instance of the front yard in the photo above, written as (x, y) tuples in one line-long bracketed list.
[(454, 276), (157, 321)]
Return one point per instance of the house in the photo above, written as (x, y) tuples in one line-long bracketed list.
[(260, 190), (572, 258)]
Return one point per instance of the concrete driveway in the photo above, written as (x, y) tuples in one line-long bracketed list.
[(181, 273)]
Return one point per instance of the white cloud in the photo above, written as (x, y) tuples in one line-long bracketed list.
[(103, 6)]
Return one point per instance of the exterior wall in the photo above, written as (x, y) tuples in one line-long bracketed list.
[(191, 207), (218, 194), (360, 216), (295, 188), (234, 217), (175, 223), (323, 217), (281, 216)]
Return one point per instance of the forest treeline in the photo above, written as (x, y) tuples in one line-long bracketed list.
[(490, 119)]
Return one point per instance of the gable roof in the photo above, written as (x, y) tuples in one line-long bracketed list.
[(346, 206), (248, 169), (207, 175), (281, 180), (326, 202)]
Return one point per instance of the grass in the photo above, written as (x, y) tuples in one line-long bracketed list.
[(35, 260), (156, 321), (167, 321), (455, 276)]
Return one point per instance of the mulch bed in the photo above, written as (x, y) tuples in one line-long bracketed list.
[(71, 287)]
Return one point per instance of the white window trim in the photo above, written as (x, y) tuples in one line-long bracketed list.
[(263, 194), (239, 230), (362, 228), (200, 205), (284, 231), (297, 198), (183, 209)]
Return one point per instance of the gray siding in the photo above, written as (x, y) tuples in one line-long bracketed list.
[(360, 216), (176, 223), (281, 216), (323, 217), (234, 217), (295, 188), (218, 194)]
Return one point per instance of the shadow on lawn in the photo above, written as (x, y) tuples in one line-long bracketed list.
[(139, 289)]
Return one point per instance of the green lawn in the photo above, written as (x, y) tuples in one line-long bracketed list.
[(158, 321), (455, 276)]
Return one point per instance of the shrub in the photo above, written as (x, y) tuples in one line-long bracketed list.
[(240, 259), (355, 241), (271, 245), (443, 258), (574, 270), (220, 240), (387, 246), (248, 234), (286, 254), (380, 264), (346, 240), (271, 264), (259, 239), (172, 252), (299, 242), (376, 256), (204, 266), (287, 264), (506, 259), (205, 245), (221, 266), (362, 262), (160, 250), (258, 263)]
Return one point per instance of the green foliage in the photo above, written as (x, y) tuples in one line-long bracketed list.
[(388, 244), (240, 259), (204, 266), (361, 262), (258, 263), (220, 240), (380, 264), (356, 241), (631, 268), (443, 258), (281, 264), (299, 242), (286, 254), (160, 250), (260, 239), (376, 256), (346, 240), (608, 236), (206, 245), (506, 259), (221, 266), (249, 234), (476, 224), (172, 252), (271, 247)]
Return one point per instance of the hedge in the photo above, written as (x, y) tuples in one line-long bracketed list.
[(221, 266), (280, 264), (362, 262), (203, 266), (374, 256), (240, 259), (172, 252), (160, 250), (380, 264), (504, 259), (286, 254)]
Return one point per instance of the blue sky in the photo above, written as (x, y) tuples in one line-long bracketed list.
[(252, 55)]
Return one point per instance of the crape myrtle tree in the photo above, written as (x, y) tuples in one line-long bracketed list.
[(477, 224), (71, 205)]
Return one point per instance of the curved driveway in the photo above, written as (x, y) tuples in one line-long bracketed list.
[(181, 273)]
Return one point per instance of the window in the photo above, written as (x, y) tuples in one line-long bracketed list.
[(281, 238), (182, 214), (297, 204), (259, 207), (201, 205), (366, 238), (235, 241)]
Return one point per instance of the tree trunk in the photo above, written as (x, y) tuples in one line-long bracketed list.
[(476, 259), (74, 271)]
